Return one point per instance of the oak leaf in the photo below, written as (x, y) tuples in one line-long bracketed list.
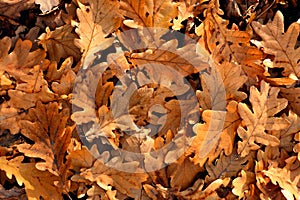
[(265, 105), (10, 115), (226, 166), (288, 183), (185, 60), (20, 61), (281, 45), (106, 177), (293, 96), (37, 183), (60, 43), (95, 23), (221, 85), (229, 45), (47, 129), (297, 146), (148, 13), (182, 173), (215, 135), (242, 184), (198, 192)]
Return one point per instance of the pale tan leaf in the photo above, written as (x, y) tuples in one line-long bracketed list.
[(265, 105), (282, 177), (280, 44), (47, 6)]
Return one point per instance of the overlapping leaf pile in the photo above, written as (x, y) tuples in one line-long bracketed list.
[(245, 76)]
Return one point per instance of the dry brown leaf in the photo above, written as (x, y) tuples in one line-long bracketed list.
[(197, 192), (148, 13), (182, 173), (286, 135), (185, 60), (229, 45), (221, 85), (297, 146), (95, 23), (51, 137), (106, 177), (97, 192), (265, 105), (37, 183), (215, 136), (282, 177), (10, 115), (60, 43), (12, 8), (22, 100), (226, 166), (13, 193), (293, 96), (185, 11), (20, 61), (242, 185), (280, 44)]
